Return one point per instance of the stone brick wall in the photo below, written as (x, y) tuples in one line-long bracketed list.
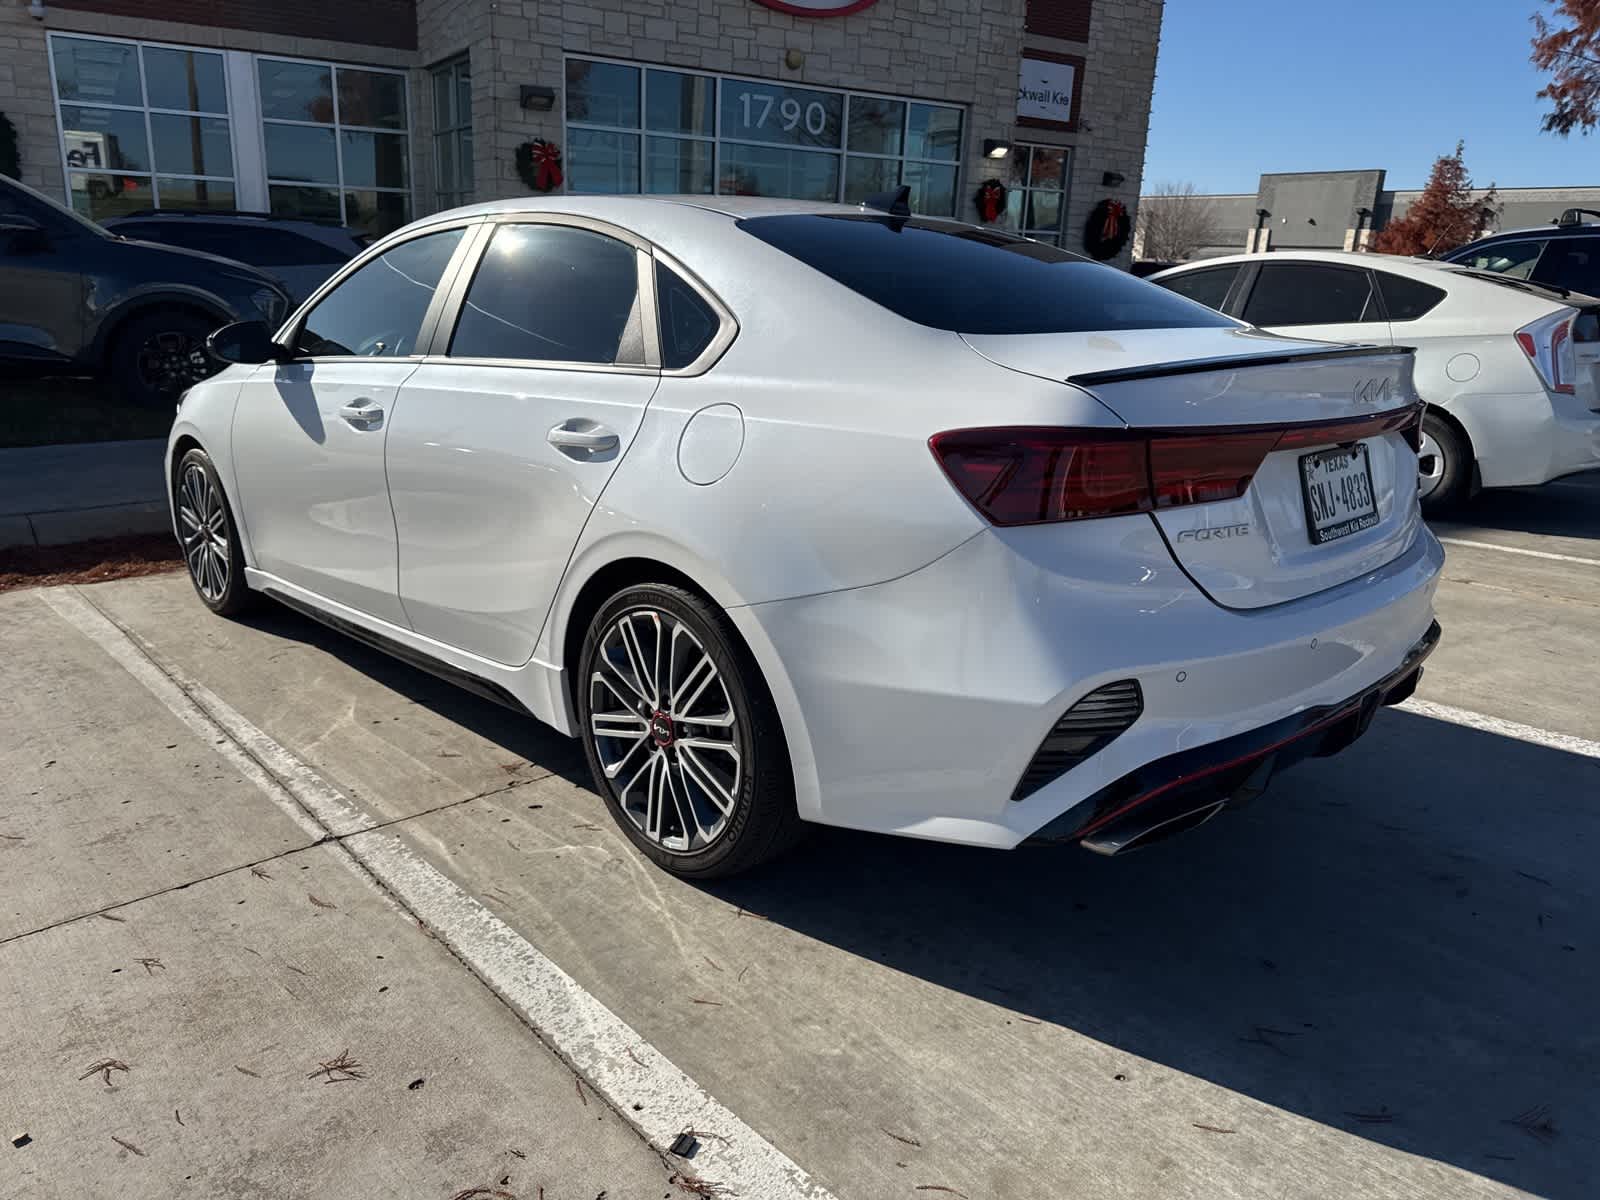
[(25, 97), (379, 22)]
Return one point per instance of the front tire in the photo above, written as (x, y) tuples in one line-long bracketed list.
[(208, 536), (682, 736), (1444, 465)]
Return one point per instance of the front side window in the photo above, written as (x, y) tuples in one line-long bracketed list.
[(142, 126), (1310, 294), (646, 129), (1208, 286), (1516, 259), (336, 141), (452, 133), (377, 311), (548, 293), (970, 280)]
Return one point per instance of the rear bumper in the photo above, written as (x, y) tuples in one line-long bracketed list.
[(916, 706), (1180, 790), (1526, 440)]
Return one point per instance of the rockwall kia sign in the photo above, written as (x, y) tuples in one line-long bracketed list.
[(818, 8), (1044, 91)]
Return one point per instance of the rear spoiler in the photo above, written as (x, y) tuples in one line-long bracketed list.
[(1195, 366)]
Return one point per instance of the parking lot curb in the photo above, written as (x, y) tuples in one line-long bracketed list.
[(62, 527)]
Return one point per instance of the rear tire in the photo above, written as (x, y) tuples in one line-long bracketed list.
[(208, 536), (1444, 465), (682, 736)]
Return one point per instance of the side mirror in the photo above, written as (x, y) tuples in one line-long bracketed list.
[(244, 342), (24, 233)]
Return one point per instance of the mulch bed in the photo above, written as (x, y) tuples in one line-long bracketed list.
[(89, 562)]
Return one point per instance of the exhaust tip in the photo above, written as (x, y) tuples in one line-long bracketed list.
[(1123, 840)]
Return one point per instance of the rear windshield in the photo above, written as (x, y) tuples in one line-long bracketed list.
[(971, 280)]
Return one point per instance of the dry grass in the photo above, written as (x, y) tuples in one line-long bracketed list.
[(88, 562)]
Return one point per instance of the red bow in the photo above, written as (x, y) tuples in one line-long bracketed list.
[(1114, 214), (546, 165)]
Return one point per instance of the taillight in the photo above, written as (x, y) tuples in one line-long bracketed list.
[(1548, 344), (1029, 475)]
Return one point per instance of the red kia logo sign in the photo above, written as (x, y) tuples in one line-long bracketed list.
[(818, 8)]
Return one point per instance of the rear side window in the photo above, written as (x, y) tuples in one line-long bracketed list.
[(377, 311), (550, 293), (1310, 294), (1572, 263), (1515, 259), (1208, 286), (687, 322), (980, 281), (1407, 299)]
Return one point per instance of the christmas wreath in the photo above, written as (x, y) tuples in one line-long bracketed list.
[(1107, 230), (10, 159), (990, 199), (539, 165)]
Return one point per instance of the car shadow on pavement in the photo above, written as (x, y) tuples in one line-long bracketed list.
[(1400, 942), (1568, 508)]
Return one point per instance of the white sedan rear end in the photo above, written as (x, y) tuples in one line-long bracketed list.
[(810, 513), (1507, 367)]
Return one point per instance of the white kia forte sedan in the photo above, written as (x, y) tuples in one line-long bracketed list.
[(799, 513)]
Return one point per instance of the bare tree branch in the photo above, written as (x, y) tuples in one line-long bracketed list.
[(1175, 221)]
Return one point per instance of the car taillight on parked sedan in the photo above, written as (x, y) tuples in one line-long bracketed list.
[(1548, 344), (1030, 475)]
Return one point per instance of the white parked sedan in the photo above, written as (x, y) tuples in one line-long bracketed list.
[(812, 513), (1507, 367)]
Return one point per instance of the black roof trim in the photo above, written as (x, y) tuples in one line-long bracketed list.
[(1198, 366)]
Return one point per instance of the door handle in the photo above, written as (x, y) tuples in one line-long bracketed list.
[(362, 414), (595, 438)]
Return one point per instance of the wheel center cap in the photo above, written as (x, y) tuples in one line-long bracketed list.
[(661, 729)]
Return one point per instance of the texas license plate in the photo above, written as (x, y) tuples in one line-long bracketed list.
[(1338, 492)]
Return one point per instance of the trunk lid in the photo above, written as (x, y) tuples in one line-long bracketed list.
[(1335, 493)]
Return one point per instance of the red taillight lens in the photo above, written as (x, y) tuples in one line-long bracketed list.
[(1562, 361), (1031, 475), (1529, 346)]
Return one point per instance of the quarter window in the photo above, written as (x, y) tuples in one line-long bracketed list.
[(142, 126), (1036, 202), (336, 143), (549, 293), (1407, 299), (1310, 294), (644, 129), (1208, 286), (452, 133), (687, 322), (377, 311)]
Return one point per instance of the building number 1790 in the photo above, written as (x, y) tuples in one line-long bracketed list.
[(756, 108)]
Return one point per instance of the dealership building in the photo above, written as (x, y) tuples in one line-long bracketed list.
[(378, 111)]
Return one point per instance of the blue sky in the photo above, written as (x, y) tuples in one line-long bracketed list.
[(1245, 87)]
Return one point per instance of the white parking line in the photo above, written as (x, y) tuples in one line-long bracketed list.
[(1571, 558), (1510, 729), (640, 1082)]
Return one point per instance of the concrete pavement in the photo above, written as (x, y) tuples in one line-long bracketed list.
[(50, 495), (1378, 981)]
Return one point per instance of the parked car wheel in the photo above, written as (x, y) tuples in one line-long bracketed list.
[(1444, 465), (159, 354), (209, 538), (682, 736)]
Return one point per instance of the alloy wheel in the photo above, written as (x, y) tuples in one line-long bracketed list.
[(669, 740), (1430, 466), (205, 532), (169, 361)]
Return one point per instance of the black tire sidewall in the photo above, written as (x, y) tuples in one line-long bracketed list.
[(766, 789), (236, 596), (122, 361), (1453, 484)]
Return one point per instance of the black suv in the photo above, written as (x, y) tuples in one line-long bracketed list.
[(1564, 256), (75, 298)]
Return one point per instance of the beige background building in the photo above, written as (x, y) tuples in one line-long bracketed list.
[(377, 111)]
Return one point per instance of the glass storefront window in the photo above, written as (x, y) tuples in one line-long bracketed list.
[(1037, 179), (751, 137), (452, 133), (343, 129), (142, 126)]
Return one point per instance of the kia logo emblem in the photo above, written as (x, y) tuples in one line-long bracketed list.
[(1372, 391)]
